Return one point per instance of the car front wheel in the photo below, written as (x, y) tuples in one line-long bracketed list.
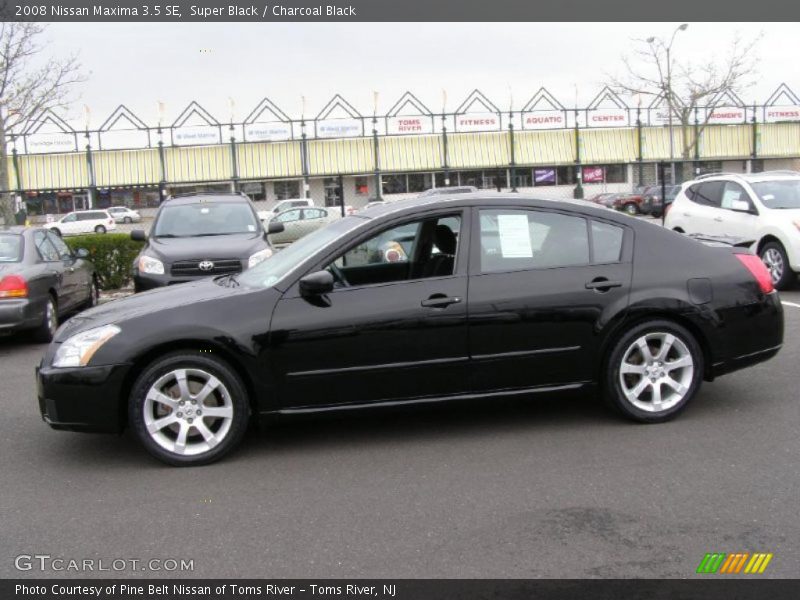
[(775, 259), (631, 209), (47, 328), (653, 371), (189, 408), (99, 229)]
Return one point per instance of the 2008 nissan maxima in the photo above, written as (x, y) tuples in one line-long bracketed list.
[(418, 301)]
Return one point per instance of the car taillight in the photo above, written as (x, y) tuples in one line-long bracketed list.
[(666, 208), (13, 286), (757, 270)]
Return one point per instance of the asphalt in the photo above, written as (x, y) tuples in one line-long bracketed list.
[(554, 487)]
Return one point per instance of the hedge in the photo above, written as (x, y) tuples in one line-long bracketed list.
[(112, 254)]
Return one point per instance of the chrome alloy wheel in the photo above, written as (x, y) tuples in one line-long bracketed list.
[(188, 411), (656, 372), (774, 262), (51, 317)]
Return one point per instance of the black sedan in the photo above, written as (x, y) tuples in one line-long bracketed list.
[(492, 295), (41, 280)]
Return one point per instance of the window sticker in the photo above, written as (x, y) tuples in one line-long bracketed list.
[(251, 228), (515, 237)]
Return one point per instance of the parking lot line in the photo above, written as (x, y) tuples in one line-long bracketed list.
[(790, 304)]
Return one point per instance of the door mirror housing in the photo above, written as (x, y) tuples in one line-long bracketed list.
[(741, 206), (138, 235), (317, 283), (274, 227), (82, 253)]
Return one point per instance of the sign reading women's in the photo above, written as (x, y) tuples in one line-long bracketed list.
[(726, 115)]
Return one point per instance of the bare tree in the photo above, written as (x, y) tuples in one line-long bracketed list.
[(27, 89), (651, 70)]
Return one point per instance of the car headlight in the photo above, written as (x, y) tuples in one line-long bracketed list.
[(258, 257), (78, 350), (148, 264)]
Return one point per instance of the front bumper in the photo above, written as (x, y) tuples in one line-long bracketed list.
[(147, 281), (19, 313), (82, 398)]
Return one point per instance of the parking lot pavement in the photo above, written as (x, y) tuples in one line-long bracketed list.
[(549, 487)]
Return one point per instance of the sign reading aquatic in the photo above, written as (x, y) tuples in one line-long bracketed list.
[(544, 119)]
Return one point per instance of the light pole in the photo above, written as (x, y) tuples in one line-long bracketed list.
[(668, 94)]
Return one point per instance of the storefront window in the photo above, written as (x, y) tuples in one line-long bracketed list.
[(616, 173), (395, 184), (440, 179), (286, 189), (254, 190), (565, 176), (523, 179), (544, 176), (331, 185), (474, 178), (419, 182), (362, 186)]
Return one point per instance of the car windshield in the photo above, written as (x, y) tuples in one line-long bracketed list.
[(280, 264), (779, 193), (205, 218), (10, 247)]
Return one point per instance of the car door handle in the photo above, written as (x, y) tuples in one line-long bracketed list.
[(718, 219), (687, 214), (601, 284), (440, 301)]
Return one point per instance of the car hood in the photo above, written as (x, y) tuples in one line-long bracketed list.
[(785, 214), (236, 245), (118, 311)]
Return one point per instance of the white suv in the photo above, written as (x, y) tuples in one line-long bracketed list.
[(83, 221), (762, 207)]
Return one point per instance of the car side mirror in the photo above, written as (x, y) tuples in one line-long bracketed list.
[(82, 253), (317, 283), (740, 206), (138, 235), (275, 227)]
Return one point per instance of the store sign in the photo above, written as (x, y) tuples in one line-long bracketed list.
[(268, 132), (775, 114), (123, 139), (592, 175), (607, 117), (544, 119), (188, 136), (334, 128), (726, 115), (544, 176), (660, 116), (478, 122), (409, 124), (50, 142)]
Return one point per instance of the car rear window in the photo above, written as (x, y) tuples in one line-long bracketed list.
[(10, 247)]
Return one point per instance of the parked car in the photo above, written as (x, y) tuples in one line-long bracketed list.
[(199, 236), (601, 198), (763, 208), (298, 222), (123, 214), (629, 203), (465, 189), (328, 324), (652, 204), (83, 221), (41, 280), (291, 203)]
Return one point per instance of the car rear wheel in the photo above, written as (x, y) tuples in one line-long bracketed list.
[(47, 328), (653, 371), (127, 220), (56, 230), (631, 209), (94, 295), (774, 257), (99, 229), (189, 409)]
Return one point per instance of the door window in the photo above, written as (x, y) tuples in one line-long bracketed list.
[(521, 239), (733, 192), (46, 250), (416, 250), (314, 213), (288, 216), (709, 193), (70, 218), (63, 250), (606, 242)]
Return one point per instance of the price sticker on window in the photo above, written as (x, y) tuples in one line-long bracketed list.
[(515, 237)]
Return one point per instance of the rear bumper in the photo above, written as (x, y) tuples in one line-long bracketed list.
[(19, 313), (82, 399)]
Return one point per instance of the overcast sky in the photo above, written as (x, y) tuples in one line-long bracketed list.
[(140, 64)]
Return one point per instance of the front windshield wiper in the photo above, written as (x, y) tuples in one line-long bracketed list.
[(211, 234), (168, 235)]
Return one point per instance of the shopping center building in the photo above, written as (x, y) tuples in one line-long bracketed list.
[(542, 147)]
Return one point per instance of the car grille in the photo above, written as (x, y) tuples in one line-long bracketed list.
[(191, 268)]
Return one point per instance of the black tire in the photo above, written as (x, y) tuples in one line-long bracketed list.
[(616, 396), (99, 229), (127, 220), (94, 295), (631, 209), (769, 253), (57, 231), (47, 328), (208, 364)]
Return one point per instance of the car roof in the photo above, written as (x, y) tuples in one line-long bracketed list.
[(487, 199), (201, 198), (750, 177)]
